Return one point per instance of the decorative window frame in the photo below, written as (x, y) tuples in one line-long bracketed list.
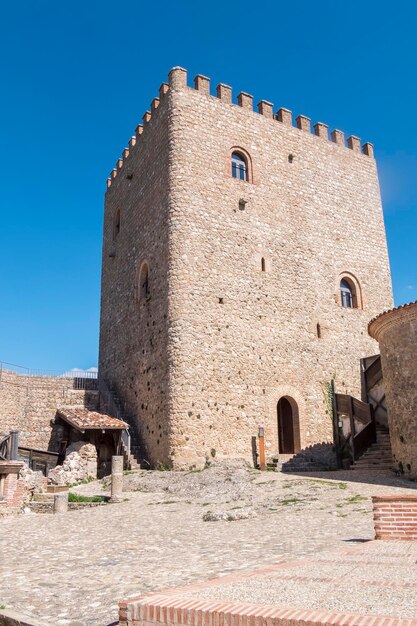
[(249, 165), (356, 291)]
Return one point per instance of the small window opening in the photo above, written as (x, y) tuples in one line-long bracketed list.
[(290, 158), (242, 204), (347, 295), (221, 301), (144, 290), (116, 224), (239, 166), (263, 264), (318, 330)]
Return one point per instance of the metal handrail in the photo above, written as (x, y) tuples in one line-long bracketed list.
[(27, 371)]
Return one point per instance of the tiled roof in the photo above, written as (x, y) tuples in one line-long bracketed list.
[(83, 419), (386, 319), (397, 308)]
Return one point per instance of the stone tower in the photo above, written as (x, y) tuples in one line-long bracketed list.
[(243, 258)]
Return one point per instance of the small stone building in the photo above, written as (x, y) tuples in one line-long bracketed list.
[(243, 257), (396, 332)]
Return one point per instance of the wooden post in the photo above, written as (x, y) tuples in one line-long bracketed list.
[(261, 437), (14, 444)]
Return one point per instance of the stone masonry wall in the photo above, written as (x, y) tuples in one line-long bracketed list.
[(133, 358), (29, 403), (236, 339), (312, 220), (396, 332)]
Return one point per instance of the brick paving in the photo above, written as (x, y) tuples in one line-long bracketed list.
[(74, 569), (371, 583)]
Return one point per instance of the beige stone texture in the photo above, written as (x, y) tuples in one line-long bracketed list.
[(396, 331), (29, 404), (206, 356)]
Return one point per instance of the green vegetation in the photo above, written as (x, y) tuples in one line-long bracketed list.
[(162, 468), (328, 396), (328, 483), (76, 497), (355, 499), (288, 501)]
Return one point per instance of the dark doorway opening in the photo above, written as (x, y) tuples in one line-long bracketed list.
[(285, 427)]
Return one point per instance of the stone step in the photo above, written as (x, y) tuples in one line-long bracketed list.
[(43, 497), (305, 468), (374, 461), (378, 453), (371, 467)]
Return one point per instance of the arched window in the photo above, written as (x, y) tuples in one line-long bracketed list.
[(116, 224), (143, 290), (347, 294), (239, 166)]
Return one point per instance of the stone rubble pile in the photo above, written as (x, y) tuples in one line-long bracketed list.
[(80, 464), (33, 482)]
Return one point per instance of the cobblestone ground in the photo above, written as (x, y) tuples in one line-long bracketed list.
[(73, 569)]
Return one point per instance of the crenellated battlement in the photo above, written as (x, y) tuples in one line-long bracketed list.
[(224, 93)]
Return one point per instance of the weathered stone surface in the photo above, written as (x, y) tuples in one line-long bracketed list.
[(80, 464), (220, 335), (116, 478), (34, 482), (228, 516), (79, 567), (60, 503)]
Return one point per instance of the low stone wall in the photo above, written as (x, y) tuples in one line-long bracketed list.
[(395, 517)]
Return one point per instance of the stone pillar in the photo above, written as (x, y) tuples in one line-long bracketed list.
[(116, 478), (60, 502)]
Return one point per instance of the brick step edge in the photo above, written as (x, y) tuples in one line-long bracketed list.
[(12, 618)]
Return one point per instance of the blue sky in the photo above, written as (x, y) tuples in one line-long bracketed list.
[(76, 78)]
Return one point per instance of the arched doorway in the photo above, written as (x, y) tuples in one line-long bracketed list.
[(288, 431)]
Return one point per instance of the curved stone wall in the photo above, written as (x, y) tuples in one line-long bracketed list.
[(396, 331)]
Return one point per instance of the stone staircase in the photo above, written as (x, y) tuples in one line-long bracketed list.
[(134, 459), (379, 455), (318, 457)]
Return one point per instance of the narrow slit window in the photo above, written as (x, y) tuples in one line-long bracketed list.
[(263, 267), (116, 224), (144, 289)]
